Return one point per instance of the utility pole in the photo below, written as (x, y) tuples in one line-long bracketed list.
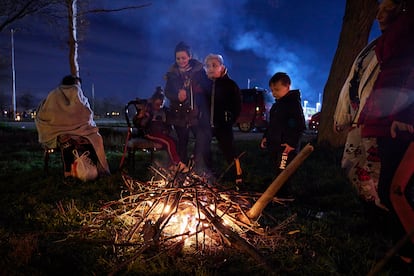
[(13, 77), (93, 97)]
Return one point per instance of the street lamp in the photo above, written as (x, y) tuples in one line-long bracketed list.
[(13, 76)]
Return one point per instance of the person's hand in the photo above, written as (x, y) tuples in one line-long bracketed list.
[(339, 128), (287, 148), (263, 143), (182, 95), (397, 125)]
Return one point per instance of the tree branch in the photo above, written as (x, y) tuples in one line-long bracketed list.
[(116, 10)]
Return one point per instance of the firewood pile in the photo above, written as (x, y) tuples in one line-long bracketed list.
[(188, 214)]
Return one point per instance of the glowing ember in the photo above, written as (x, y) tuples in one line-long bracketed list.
[(184, 212)]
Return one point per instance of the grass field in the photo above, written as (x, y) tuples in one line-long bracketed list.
[(333, 232)]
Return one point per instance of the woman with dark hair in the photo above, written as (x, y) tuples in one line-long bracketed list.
[(186, 89)]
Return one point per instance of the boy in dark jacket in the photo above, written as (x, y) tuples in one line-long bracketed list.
[(286, 124), (225, 106)]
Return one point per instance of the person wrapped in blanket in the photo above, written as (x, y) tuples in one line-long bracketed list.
[(153, 122), (388, 115), (65, 119)]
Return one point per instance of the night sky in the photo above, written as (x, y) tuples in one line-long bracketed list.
[(126, 54)]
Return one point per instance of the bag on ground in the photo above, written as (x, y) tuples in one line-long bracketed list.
[(83, 167)]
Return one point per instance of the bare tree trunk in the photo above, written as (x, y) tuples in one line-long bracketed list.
[(73, 43), (73, 20), (357, 23)]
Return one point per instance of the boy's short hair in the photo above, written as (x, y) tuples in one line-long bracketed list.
[(280, 76)]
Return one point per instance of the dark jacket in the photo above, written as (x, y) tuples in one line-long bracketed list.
[(152, 121), (226, 101), (196, 84), (392, 97), (287, 121)]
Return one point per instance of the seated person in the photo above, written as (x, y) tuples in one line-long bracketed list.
[(66, 114), (153, 122)]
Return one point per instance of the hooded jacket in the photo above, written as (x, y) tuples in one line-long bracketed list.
[(287, 121)]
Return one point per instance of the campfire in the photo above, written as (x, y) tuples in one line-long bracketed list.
[(184, 213)]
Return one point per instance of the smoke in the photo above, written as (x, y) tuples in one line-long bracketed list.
[(253, 44), (278, 57), (126, 54)]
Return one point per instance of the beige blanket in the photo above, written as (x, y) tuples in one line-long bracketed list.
[(66, 111)]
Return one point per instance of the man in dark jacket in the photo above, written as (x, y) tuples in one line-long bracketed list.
[(286, 124)]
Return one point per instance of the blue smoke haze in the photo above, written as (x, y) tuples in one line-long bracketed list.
[(126, 54)]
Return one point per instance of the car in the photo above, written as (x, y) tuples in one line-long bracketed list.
[(313, 123), (254, 112)]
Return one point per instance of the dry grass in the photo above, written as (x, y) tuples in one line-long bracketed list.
[(326, 230)]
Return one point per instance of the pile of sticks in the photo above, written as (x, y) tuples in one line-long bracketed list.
[(184, 212)]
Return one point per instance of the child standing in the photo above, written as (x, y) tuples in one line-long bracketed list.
[(225, 106), (286, 124)]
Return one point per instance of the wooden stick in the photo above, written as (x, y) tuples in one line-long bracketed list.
[(394, 250), (267, 196), (229, 167), (399, 184)]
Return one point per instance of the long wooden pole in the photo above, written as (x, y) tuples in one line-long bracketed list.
[(256, 210)]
